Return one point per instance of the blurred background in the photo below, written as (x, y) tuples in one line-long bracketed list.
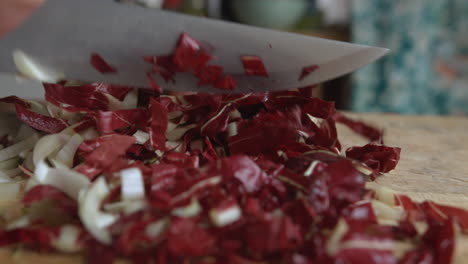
[(426, 72)]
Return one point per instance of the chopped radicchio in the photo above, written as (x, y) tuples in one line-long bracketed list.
[(108, 121), (306, 71), (35, 120), (204, 178), (40, 122), (378, 157), (101, 65), (189, 56), (253, 65)]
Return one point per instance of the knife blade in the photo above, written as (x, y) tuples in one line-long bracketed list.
[(63, 34)]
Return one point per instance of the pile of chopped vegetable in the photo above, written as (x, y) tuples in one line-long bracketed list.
[(116, 172)]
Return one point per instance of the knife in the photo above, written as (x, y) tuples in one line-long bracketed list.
[(63, 34)]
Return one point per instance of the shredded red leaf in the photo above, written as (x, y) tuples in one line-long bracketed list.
[(101, 65), (39, 238), (189, 56), (306, 71), (77, 98), (112, 147), (378, 157), (187, 238), (253, 65), (158, 125), (153, 83), (108, 121), (41, 192), (40, 122), (232, 178), (44, 192), (15, 100), (35, 120), (361, 128)]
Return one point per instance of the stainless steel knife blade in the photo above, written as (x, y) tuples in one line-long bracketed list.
[(63, 34)]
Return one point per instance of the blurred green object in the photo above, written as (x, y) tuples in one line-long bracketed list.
[(310, 22), (424, 73), (192, 7), (276, 14)]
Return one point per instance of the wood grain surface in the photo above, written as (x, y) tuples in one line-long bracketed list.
[(433, 166), (434, 157)]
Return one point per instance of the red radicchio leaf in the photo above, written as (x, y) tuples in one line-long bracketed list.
[(360, 213), (116, 91), (361, 128), (210, 152), (217, 123), (266, 237), (140, 152), (88, 170), (185, 52), (100, 64), (41, 192), (325, 135), (163, 178), (418, 256), (378, 157), (441, 237), (431, 213), (109, 150), (158, 125), (92, 144), (85, 123), (187, 238), (405, 229), (153, 83), (40, 122), (306, 71), (38, 237), (371, 234), (366, 255), (226, 83), (253, 65), (301, 212), (412, 209), (245, 170), (265, 134), (181, 159), (99, 254), (209, 74), (458, 215), (284, 100), (319, 108), (132, 233), (109, 121), (14, 100), (82, 97), (45, 192), (201, 106), (188, 56), (163, 65), (345, 183)]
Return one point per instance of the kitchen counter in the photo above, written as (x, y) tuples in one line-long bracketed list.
[(434, 157)]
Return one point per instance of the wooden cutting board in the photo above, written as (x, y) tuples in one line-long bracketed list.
[(433, 166), (434, 157)]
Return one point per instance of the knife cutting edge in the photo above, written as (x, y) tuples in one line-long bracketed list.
[(63, 34)]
